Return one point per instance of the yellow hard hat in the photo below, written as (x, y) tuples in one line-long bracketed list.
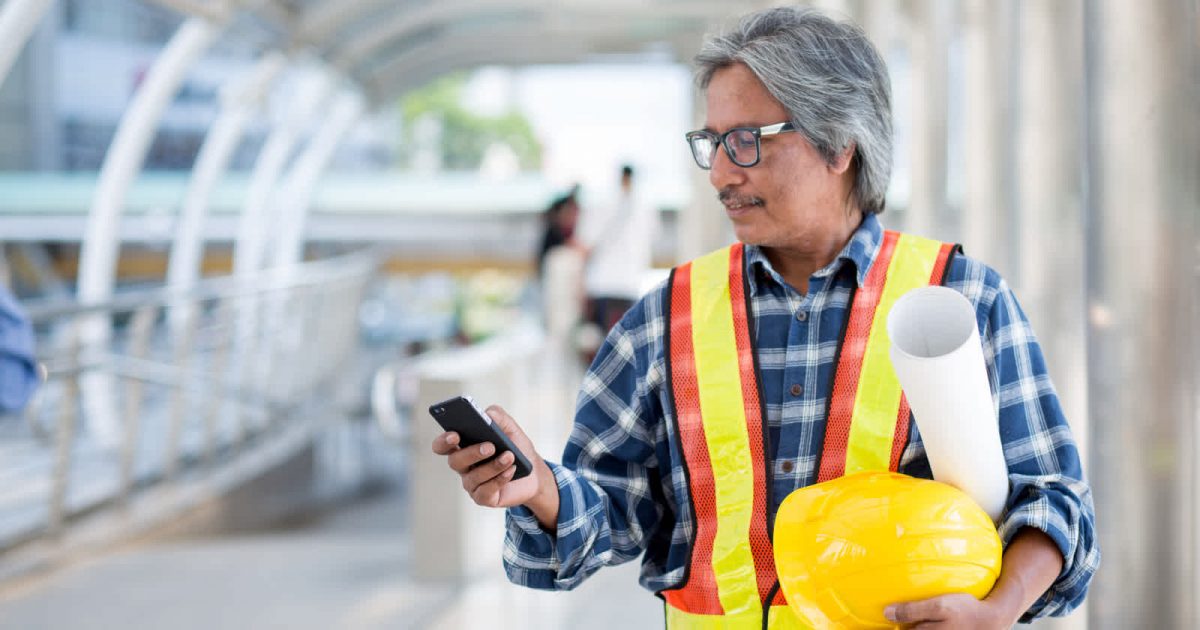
[(847, 548)]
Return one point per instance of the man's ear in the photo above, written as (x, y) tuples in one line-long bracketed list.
[(843, 159)]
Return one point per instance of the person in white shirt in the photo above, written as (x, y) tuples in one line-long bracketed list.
[(618, 237)]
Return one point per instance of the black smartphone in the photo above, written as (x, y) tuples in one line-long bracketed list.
[(459, 414)]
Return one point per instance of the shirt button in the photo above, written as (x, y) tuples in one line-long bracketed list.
[(802, 315), (797, 389), (788, 466)]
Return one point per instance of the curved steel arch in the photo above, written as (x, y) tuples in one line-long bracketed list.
[(566, 43), (626, 27)]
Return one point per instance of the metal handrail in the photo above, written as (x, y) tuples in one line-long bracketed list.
[(281, 278), (302, 328)]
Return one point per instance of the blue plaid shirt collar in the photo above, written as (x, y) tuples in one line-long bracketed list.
[(859, 251)]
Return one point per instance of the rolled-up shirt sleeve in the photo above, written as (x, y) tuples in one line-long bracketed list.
[(609, 505), (1047, 489)]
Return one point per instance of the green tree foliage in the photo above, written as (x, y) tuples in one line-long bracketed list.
[(466, 135)]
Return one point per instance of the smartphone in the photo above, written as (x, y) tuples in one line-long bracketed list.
[(459, 414)]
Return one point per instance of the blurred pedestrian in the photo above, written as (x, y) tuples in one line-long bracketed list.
[(558, 227), (618, 236), (560, 271), (18, 366)]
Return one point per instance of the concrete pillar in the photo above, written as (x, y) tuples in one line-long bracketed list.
[(702, 225), (929, 36), (1143, 206), (988, 202), (1050, 239), (452, 538), (877, 17)]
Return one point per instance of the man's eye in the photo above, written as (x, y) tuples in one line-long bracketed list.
[(743, 140)]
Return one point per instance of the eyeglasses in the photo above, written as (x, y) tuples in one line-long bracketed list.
[(741, 144)]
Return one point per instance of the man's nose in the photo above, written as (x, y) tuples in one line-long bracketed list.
[(724, 172)]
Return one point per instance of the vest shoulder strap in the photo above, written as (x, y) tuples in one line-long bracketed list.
[(868, 420)]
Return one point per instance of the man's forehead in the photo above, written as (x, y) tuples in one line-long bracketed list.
[(736, 98)]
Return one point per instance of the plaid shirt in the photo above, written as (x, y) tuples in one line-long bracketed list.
[(622, 487)]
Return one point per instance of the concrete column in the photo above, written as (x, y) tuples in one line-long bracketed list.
[(929, 37), (837, 9), (452, 538), (1143, 206), (1050, 235), (988, 203), (877, 17), (702, 225)]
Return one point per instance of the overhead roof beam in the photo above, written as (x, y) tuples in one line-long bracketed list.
[(618, 18), (505, 46)]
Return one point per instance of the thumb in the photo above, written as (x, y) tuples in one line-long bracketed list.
[(915, 612), (506, 423)]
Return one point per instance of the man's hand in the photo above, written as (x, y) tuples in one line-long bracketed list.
[(1031, 564), (957, 610), (492, 484)]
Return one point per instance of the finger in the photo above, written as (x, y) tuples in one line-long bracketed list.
[(463, 459), (488, 494), (916, 612), (445, 443), (485, 472)]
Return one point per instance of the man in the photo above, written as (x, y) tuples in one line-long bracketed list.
[(798, 143), (617, 237)]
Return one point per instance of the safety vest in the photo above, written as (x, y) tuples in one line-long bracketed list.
[(721, 423)]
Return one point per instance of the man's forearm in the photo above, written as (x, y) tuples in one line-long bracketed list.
[(1031, 564)]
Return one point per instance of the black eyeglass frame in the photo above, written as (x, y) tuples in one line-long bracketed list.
[(722, 139)]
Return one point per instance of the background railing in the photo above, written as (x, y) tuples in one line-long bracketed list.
[(214, 384)]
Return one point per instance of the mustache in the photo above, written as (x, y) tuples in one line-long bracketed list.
[(730, 197)]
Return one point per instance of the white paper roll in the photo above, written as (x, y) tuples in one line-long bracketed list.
[(938, 359)]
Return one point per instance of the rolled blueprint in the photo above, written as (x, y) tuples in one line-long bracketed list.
[(938, 360)]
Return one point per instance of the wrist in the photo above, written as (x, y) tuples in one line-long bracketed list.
[(1005, 614), (544, 503), (1006, 604)]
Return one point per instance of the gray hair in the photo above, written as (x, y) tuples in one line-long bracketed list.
[(830, 79)]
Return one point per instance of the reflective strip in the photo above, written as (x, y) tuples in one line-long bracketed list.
[(760, 538), (698, 593), (878, 399), (778, 618), (722, 407), (849, 362)]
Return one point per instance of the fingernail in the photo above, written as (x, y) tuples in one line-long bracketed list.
[(486, 449), (506, 458), (890, 613), (452, 439)]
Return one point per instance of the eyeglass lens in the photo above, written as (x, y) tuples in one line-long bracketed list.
[(740, 144)]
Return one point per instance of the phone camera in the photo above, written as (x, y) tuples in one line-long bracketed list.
[(439, 410)]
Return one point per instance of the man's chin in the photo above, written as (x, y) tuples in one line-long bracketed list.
[(749, 236)]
